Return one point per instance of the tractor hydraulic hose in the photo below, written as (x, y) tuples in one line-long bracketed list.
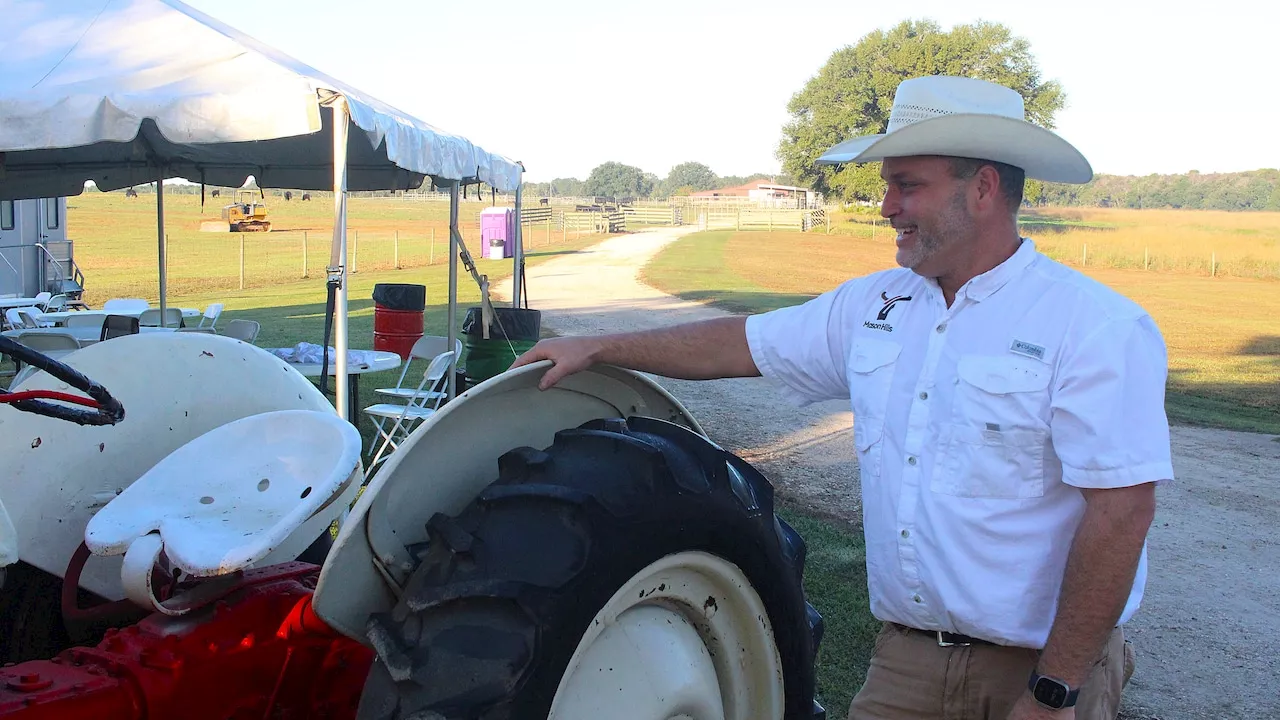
[(106, 410)]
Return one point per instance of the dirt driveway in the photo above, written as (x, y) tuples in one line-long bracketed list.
[(1208, 636)]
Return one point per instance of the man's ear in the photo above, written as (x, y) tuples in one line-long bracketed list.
[(987, 185)]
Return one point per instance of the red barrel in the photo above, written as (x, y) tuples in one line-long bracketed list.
[(398, 314)]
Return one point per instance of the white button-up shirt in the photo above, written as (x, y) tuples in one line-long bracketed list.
[(975, 425)]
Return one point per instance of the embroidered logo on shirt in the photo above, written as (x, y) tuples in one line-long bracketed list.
[(1023, 347), (889, 303)]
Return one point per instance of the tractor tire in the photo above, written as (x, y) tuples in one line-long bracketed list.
[(505, 591)]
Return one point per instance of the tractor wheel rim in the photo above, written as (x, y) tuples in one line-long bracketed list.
[(688, 637)]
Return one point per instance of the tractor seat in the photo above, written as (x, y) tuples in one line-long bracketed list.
[(226, 499)]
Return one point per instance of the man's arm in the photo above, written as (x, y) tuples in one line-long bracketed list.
[(1099, 576), (692, 351)]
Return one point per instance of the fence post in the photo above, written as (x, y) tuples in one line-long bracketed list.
[(738, 222), (397, 249), (1084, 254), (304, 253), (770, 219), (241, 261), (827, 215), (1213, 265), (431, 260), (1146, 258)]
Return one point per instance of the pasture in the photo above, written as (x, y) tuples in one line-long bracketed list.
[(1223, 333)]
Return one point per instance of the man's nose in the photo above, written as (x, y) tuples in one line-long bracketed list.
[(890, 205)]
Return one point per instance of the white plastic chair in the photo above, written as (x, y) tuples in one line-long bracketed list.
[(53, 344), (33, 318), (125, 306), (211, 314), (14, 319), (421, 405), (426, 348), (57, 303), (79, 320), (41, 298), (243, 330), (151, 317)]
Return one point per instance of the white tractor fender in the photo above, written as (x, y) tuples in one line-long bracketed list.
[(449, 459), (8, 539), (174, 387)]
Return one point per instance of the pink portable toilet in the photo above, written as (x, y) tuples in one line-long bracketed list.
[(497, 232)]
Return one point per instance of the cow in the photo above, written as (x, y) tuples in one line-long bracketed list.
[(288, 195), (306, 197), (216, 192), (130, 192), (543, 201)]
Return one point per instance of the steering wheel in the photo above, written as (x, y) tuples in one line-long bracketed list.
[(103, 409)]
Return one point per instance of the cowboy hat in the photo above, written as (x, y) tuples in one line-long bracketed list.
[(964, 117)]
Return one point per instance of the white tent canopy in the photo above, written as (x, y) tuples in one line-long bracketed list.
[(124, 92), (115, 91)]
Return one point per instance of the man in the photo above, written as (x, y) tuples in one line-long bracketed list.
[(1008, 420)]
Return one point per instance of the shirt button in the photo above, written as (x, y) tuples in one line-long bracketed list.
[(906, 533), (917, 598), (924, 395), (941, 328), (911, 460)]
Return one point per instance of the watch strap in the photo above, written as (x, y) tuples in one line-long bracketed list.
[(1071, 694)]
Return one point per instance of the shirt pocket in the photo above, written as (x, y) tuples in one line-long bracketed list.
[(995, 443), (980, 463), (871, 367), (868, 434)]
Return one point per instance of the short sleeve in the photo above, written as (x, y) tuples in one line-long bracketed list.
[(1108, 422), (805, 347)]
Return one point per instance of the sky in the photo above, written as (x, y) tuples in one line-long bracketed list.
[(565, 86)]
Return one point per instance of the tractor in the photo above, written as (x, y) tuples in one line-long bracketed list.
[(189, 533), (246, 214)]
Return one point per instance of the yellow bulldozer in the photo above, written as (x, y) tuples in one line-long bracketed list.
[(246, 214)]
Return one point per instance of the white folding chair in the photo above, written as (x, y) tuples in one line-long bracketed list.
[(13, 319), (55, 345), (125, 306), (422, 405), (243, 330), (426, 348), (57, 303), (33, 318), (211, 314), (84, 320), (41, 298), (151, 317)]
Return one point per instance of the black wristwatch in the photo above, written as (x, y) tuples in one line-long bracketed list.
[(1052, 692)]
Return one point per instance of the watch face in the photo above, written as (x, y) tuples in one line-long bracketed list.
[(1050, 692)]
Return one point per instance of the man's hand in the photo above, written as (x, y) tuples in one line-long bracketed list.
[(570, 355), (1028, 709)]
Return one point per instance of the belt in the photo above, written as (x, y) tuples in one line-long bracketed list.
[(946, 639)]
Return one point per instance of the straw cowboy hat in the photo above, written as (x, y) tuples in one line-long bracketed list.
[(964, 117)]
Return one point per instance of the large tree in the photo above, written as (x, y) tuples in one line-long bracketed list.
[(853, 92), (613, 179), (693, 175)]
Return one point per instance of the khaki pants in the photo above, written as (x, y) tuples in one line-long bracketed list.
[(912, 677)]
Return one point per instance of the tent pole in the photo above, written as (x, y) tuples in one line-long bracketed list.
[(160, 243), (519, 250), (453, 287), (337, 269)]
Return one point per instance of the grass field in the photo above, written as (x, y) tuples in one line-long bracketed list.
[(1191, 242), (115, 241), (1223, 333)]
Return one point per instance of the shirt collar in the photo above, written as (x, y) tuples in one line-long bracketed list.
[(982, 286)]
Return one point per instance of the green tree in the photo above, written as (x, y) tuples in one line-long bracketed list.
[(614, 179), (853, 92), (692, 174)]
